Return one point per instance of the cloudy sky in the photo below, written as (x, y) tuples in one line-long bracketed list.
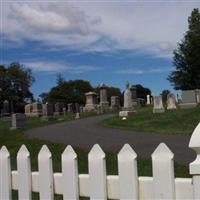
[(100, 41)]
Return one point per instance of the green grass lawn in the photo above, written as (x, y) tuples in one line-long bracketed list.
[(14, 139), (180, 121)]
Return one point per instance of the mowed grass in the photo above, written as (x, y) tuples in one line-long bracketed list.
[(14, 139), (180, 121)]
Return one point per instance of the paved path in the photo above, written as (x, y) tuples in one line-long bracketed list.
[(84, 133)]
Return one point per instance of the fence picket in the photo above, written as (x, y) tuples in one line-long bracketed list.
[(24, 173), (97, 173), (70, 174), (45, 174), (5, 174), (128, 176), (195, 165), (163, 173)]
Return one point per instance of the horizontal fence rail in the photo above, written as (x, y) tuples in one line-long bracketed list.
[(97, 184)]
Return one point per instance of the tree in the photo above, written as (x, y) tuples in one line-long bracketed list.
[(15, 83), (187, 57), (72, 91), (142, 92), (164, 95)]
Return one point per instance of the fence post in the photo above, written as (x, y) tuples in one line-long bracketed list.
[(45, 174), (24, 173), (163, 173), (70, 174), (5, 174), (195, 165), (128, 176), (97, 173)]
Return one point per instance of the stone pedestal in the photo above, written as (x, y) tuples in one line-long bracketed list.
[(103, 98), (91, 102), (18, 120), (158, 105), (127, 113), (115, 102), (148, 99)]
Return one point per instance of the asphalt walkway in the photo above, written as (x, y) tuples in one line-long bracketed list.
[(84, 133)]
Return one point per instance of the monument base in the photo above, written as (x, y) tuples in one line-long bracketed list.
[(127, 113), (90, 107), (104, 107), (171, 108), (188, 105), (161, 110)]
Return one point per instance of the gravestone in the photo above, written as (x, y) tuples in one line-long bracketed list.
[(133, 90), (47, 109), (99, 110), (28, 110), (18, 120), (115, 102), (158, 104), (77, 116), (6, 108), (103, 98), (58, 108), (81, 109), (189, 99), (64, 111), (37, 109), (91, 101), (70, 108), (77, 108), (171, 102), (128, 104), (148, 99), (198, 95)]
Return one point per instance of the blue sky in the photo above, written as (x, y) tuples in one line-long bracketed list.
[(107, 41)]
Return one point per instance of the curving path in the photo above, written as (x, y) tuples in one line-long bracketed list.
[(84, 133)]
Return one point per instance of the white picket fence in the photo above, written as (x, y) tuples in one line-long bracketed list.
[(97, 184)]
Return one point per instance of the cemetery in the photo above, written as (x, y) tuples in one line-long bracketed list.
[(101, 122)]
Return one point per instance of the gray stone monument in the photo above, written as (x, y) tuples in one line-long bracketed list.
[(103, 98), (189, 99), (81, 109), (64, 111), (148, 99), (171, 102), (133, 90), (18, 121), (77, 116), (58, 107), (115, 102), (6, 108), (128, 104), (70, 108), (158, 104), (47, 109), (37, 109), (91, 101)]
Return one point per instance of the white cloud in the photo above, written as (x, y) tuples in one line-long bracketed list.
[(44, 66), (150, 27), (139, 71)]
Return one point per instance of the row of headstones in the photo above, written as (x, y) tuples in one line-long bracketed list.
[(49, 109), (190, 98)]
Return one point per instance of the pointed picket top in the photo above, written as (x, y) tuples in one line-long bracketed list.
[(69, 152), (23, 151), (44, 152), (162, 152), (127, 152), (97, 151), (195, 138), (4, 152)]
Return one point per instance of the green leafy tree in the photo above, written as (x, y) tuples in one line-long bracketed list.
[(187, 57), (72, 91), (15, 83)]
